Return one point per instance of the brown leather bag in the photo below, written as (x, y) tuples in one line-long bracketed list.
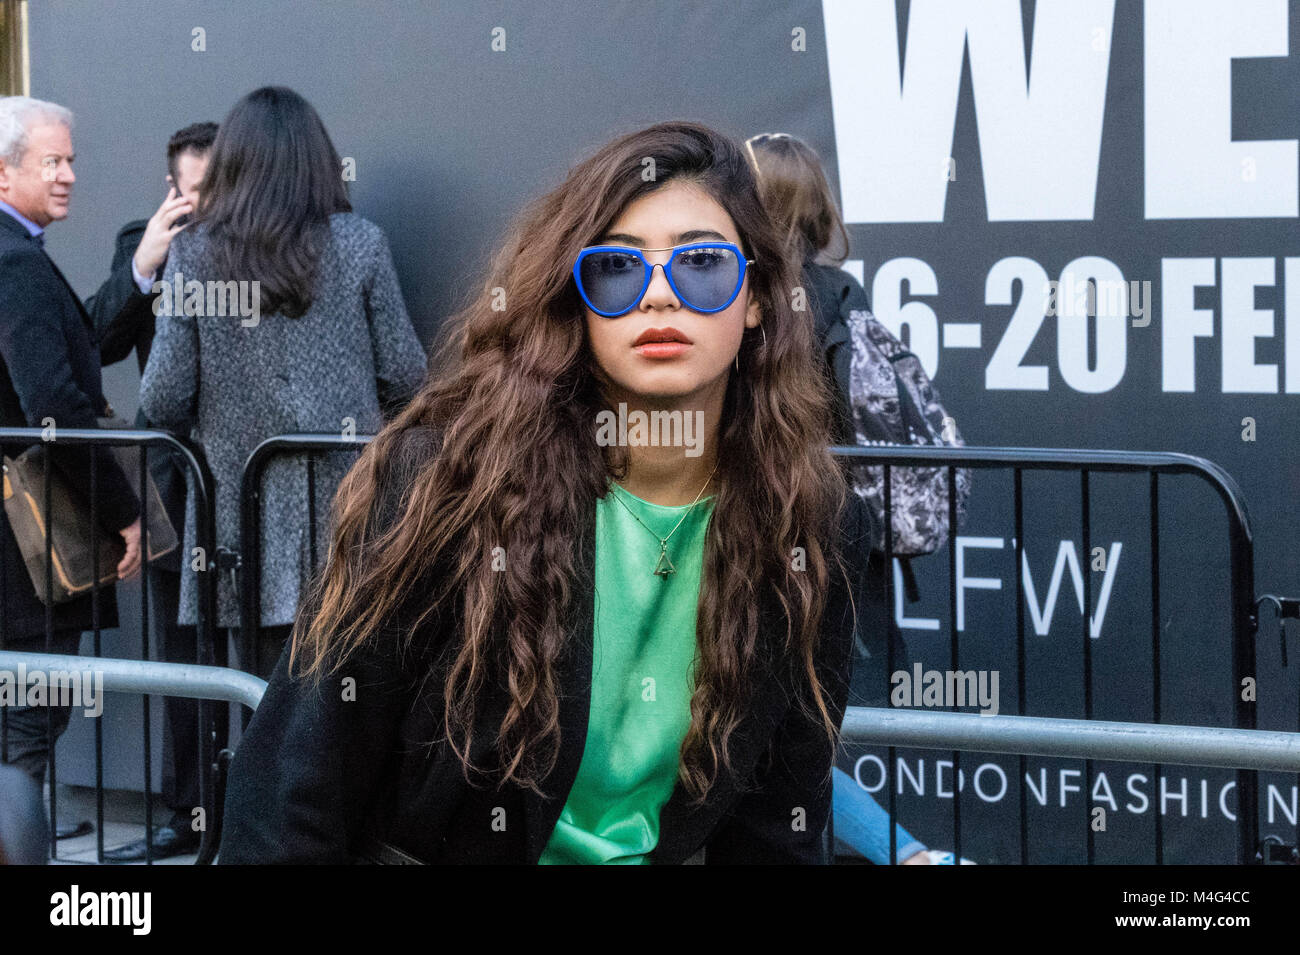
[(69, 520)]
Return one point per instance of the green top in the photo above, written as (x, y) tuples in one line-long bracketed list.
[(641, 681)]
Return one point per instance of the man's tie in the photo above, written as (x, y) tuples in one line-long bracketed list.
[(39, 239)]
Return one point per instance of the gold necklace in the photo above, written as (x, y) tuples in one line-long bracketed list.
[(664, 566)]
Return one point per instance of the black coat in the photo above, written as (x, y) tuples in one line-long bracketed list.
[(49, 368), (124, 321), (315, 776), (122, 314), (831, 292)]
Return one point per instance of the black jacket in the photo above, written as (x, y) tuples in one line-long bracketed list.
[(122, 314), (831, 291), (315, 776), (124, 322), (49, 368)]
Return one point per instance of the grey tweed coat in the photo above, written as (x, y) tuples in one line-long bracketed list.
[(231, 383)]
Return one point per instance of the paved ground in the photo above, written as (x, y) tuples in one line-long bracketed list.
[(123, 823)]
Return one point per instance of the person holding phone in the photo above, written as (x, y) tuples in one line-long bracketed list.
[(123, 313), (319, 340)]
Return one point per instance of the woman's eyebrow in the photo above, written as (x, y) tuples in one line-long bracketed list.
[(696, 234), (635, 241)]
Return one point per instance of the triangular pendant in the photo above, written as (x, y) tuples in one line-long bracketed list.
[(665, 566)]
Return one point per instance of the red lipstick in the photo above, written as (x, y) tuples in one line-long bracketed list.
[(658, 343)]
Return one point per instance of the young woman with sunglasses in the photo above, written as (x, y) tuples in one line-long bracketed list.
[(534, 645)]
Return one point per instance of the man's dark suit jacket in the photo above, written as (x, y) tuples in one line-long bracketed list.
[(123, 315), (316, 777), (49, 368), (124, 320)]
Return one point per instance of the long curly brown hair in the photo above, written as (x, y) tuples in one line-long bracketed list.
[(517, 402)]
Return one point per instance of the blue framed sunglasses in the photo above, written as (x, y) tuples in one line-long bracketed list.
[(705, 276)]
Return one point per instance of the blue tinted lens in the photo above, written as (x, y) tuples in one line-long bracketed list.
[(706, 277), (611, 280)]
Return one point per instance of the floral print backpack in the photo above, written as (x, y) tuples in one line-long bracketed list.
[(894, 403)]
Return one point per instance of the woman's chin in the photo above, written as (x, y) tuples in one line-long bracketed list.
[(669, 384)]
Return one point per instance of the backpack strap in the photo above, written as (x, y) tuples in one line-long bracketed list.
[(831, 288)]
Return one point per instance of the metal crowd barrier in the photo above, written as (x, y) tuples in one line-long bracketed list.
[(892, 727), (200, 484), (249, 559), (1167, 744), (160, 679), (1244, 619), (1246, 750), (1087, 739), (151, 678), (1241, 578)]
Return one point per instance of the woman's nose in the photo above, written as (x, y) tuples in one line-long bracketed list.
[(659, 294)]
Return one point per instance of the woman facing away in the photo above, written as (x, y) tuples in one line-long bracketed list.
[(543, 636), (798, 197), (300, 325)]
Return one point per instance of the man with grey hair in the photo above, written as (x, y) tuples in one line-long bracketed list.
[(49, 375)]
